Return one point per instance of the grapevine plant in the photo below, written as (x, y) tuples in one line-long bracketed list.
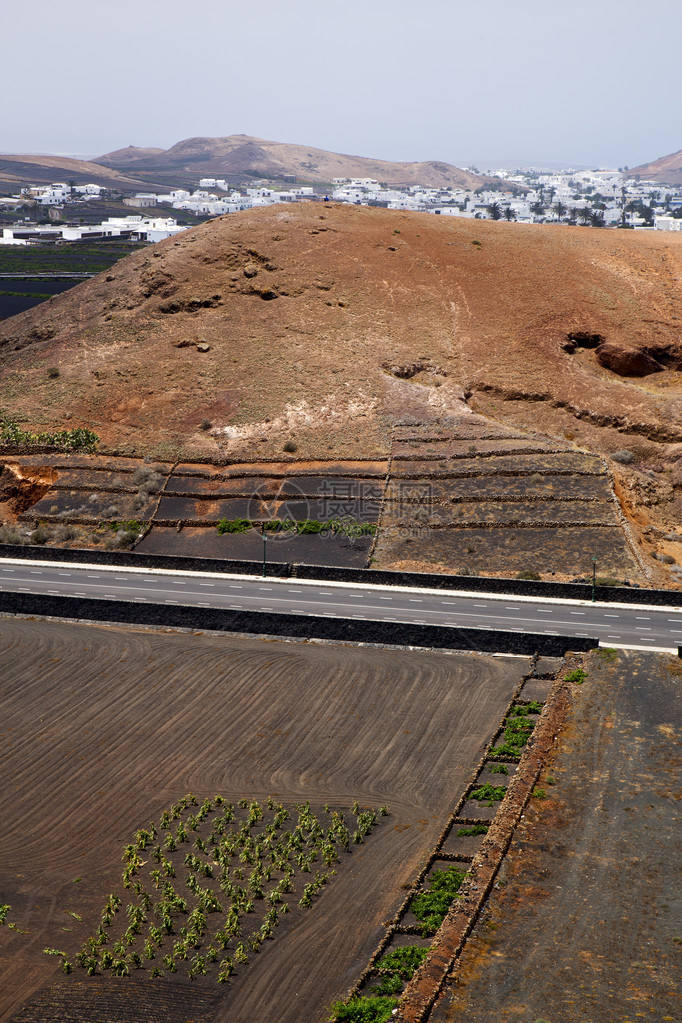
[(204, 887)]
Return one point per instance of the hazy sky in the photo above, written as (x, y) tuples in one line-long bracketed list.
[(589, 82)]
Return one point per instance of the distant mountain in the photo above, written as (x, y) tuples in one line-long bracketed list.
[(667, 170), (239, 155), (18, 170)]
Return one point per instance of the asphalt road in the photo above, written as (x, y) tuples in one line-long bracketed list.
[(613, 625)]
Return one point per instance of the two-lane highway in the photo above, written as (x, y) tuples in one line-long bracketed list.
[(613, 624)]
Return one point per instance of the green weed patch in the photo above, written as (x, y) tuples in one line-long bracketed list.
[(308, 527), (80, 439), (363, 1010), (234, 526), (431, 907), (475, 829), (518, 726), (489, 794), (578, 676)]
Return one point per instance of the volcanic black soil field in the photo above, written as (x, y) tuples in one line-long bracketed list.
[(105, 728), (584, 923)]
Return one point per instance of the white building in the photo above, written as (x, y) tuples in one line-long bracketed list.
[(667, 224)]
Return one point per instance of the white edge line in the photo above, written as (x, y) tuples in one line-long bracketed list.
[(631, 646), (137, 570)]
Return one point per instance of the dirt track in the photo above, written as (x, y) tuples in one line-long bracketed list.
[(104, 728), (585, 924)]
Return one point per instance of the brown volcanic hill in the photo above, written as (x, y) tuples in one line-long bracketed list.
[(237, 154), (667, 170), (330, 323), (43, 170), (131, 154)]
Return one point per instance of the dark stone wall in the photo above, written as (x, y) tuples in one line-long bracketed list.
[(484, 584), (291, 626), (135, 560)]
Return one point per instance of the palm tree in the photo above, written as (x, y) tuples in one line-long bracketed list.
[(494, 210), (585, 214), (509, 214), (560, 209), (537, 208)]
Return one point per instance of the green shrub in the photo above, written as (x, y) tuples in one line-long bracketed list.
[(80, 439), (488, 794), (517, 729), (475, 829), (402, 961), (10, 534), (310, 526), (578, 676), (363, 1010), (233, 526), (431, 907)]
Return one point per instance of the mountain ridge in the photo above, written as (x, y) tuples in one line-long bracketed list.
[(666, 169), (222, 156)]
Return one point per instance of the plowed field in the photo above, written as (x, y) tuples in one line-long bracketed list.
[(104, 728)]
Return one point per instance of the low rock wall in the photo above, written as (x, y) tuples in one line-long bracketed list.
[(290, 626)]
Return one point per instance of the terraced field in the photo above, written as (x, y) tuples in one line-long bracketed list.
[(181, 505), (105, 728), (472, 498), (472, 501)]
